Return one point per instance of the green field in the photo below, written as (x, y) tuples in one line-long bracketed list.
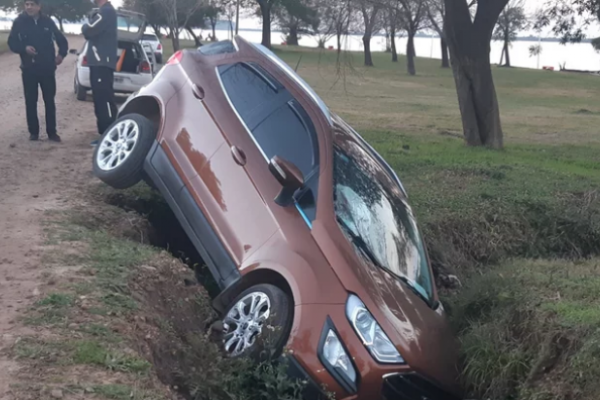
[(519, 227)]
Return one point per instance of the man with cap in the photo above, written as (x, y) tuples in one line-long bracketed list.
[(32, 37), (101, 34)]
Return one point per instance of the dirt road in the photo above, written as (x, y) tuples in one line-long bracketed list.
[(34, 177)]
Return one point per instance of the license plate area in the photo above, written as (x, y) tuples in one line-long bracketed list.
[(118, 79)]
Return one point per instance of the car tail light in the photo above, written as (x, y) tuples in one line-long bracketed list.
[(175, 58), (159, 47), (145, 67), (84, 62)]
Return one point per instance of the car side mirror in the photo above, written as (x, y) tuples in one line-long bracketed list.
[(290, 178), (73, 51)]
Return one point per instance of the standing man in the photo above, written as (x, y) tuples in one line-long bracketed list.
[(32, 37), (101, 33)]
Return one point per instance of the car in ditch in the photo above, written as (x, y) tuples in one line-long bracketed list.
[(135, 66), (303, 225)]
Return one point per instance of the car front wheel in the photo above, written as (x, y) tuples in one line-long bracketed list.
[(258, 319), (120, 154)]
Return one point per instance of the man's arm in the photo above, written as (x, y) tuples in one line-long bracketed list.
[(14, 39), (61, 41), (98, 26)]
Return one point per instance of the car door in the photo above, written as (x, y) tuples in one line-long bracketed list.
[(275, 125)]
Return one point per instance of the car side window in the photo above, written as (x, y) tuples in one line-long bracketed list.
[(248, 90), (278, 123)]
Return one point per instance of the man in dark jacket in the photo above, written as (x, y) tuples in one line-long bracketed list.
[(101, 33), (32, 37)]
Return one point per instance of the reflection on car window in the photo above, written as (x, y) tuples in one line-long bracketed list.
[(370, 205), (247, 90)]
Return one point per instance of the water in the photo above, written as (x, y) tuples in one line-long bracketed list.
[(576, 56)]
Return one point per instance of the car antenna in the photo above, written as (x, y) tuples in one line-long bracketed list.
[(298, 64)]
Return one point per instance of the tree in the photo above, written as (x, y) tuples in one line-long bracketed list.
[(324, 27), (335, 17), (469, 40), (569, 18), (412, 15), (511, 21), (294, 18), (435, 14), (178, 14), (211, 13), (62, 10), (371, 22), (392, 22)]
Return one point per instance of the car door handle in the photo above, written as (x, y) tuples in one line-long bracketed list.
[(198, 92), (238, 155)]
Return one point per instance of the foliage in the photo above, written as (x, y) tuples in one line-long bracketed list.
[(295, 17), (569, 18), (512, 20), (535, 50), (63, 10)]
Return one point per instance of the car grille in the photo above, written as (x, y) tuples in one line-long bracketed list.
[(413, 387)]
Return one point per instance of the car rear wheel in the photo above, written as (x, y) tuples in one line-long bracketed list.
[(120, 154), (80, 91), (260, 318), (159, 58)]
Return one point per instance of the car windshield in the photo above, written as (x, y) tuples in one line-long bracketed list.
[(371, 209)]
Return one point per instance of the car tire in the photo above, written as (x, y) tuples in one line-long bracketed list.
[(274, 331), (80, 91), (159, 58), (119, 156)]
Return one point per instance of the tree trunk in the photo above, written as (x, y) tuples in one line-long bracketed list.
[(214, 30), (507, 60), (292, 39), (445, 58), (368, 55), (266, 25), (156, 29), (410, 54), (478, 102), (175, 39), (196, 38), (469, 45), (339, 42), (393, 44), (60, 24)]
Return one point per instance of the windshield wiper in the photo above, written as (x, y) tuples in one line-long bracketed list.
[(360, 244)]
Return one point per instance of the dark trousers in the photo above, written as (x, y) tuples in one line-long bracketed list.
[(102, 79), (32, 81)]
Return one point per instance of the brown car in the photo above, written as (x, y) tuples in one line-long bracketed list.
[(302, 224)]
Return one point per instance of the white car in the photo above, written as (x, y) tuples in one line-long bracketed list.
[(135, 68), (153, 41)]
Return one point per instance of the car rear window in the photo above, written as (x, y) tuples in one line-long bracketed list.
[(213, 49), (150, 38)]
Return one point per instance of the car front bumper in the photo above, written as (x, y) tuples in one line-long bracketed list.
[(374, 381)]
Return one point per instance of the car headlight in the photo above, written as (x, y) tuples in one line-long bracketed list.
[(373, 337), (336, 359)]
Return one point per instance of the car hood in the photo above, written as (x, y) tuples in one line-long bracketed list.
[(421, 334)]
